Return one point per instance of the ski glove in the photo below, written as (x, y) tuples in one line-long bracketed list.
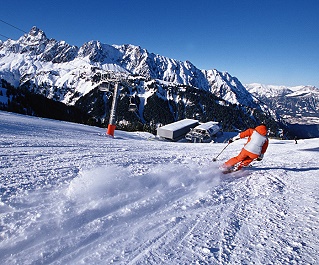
[(237, 137), (260, 157)]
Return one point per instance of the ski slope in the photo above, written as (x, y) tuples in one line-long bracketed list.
[(71, 195)]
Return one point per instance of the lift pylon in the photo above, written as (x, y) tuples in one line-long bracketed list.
[(106, 79)]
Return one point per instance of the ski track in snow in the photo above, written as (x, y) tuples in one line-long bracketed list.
[(70, 195)]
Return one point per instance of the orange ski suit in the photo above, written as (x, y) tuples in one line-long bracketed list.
[(256, 145)]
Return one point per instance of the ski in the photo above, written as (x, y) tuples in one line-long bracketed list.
[(231, 170), (235, 169)]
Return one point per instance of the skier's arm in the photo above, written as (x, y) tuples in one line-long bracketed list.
[(243, 134), (263, 150), (246, 133)]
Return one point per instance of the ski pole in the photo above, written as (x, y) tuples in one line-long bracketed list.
[(215, 158)]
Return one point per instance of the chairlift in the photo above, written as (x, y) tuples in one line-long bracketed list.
[(104, 86), (132, 106)]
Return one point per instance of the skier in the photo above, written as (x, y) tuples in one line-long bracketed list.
[(255, 148)]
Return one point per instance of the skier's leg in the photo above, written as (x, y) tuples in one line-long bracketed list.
[(243, 159), (248, 159), (235, 160), (231, 162)]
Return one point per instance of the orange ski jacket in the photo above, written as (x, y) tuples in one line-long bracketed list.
[(257, 142)]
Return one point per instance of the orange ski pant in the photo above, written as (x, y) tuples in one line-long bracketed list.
[(245, 157)]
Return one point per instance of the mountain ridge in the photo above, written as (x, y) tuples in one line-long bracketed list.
[(296, 104), (36, 47), (65, 73)]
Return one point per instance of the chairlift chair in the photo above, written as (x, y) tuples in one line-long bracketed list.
[(104, 86), (132, 107)]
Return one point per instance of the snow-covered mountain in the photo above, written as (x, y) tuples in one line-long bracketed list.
[(66, 74), (67, 70), (297, 105), (228, 88), (70, 195)]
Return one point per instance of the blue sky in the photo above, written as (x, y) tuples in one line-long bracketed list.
[(273, 42)]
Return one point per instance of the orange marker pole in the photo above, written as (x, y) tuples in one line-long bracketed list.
[(110, 129)]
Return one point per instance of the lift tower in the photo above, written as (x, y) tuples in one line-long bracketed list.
[(116, 79)]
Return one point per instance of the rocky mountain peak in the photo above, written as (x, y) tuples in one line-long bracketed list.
[(35, 37)]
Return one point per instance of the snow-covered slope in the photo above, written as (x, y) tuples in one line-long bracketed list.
[(64, 72), (70, 195)]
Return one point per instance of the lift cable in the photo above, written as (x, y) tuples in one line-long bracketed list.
[(12, 26), (4, 36)]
